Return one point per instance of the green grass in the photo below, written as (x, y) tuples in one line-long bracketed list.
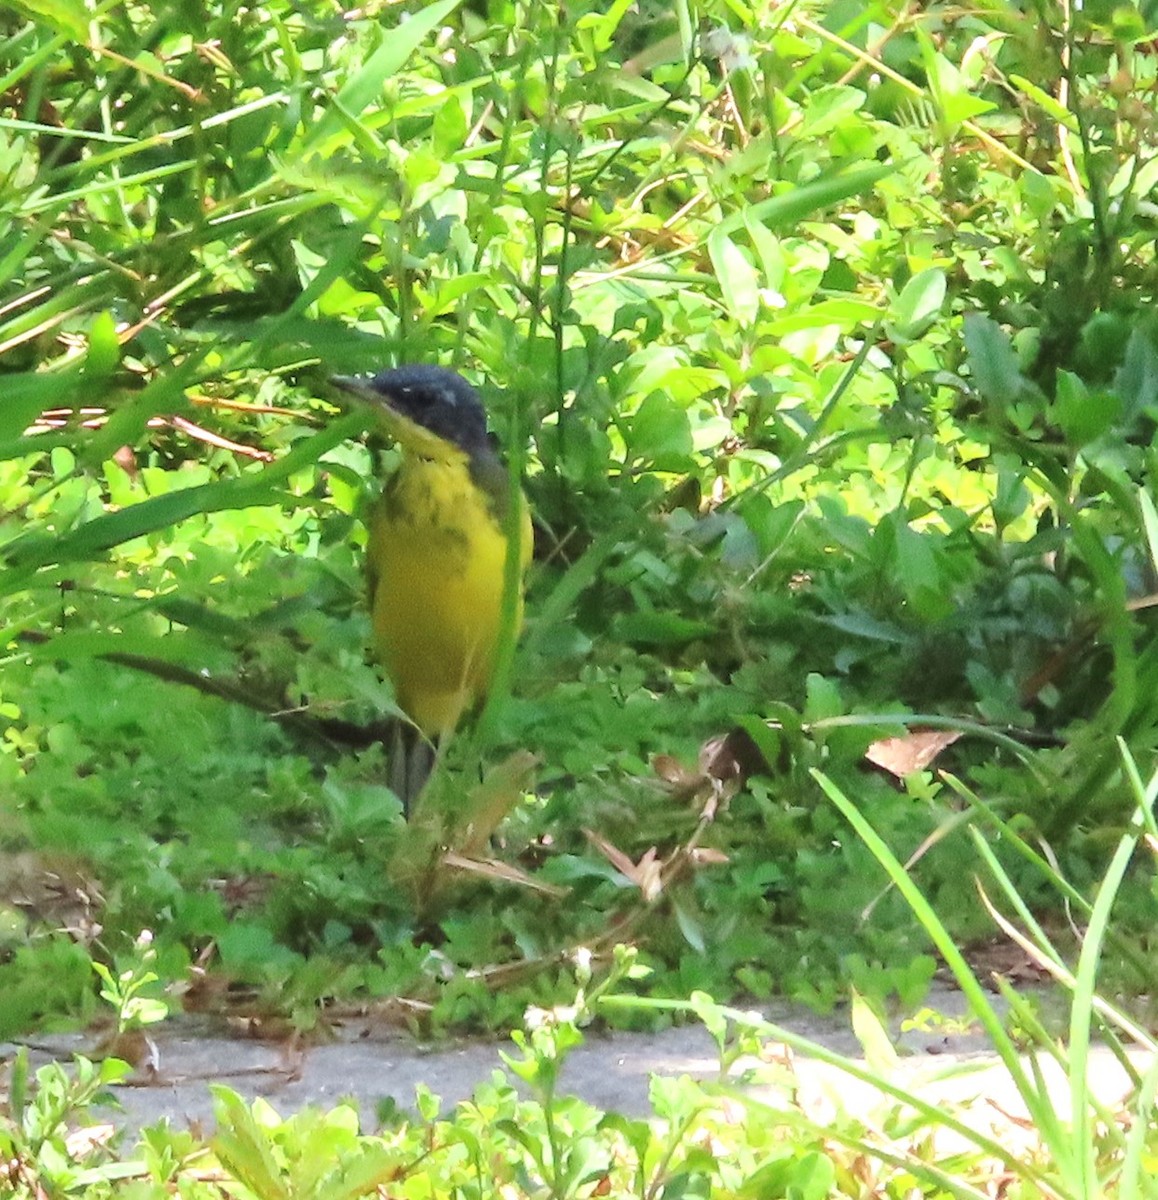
[(821, 335), (751, 1131)]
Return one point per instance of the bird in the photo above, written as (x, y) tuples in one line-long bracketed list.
[(436, 558)]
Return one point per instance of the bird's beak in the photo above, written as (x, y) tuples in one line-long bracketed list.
[(372, 404), (394, 424), (358, 388), (357, 385)]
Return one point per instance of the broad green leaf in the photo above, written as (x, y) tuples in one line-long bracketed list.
[(823, 698), (654, 364), (660, 433), (1040, 193), (992, 360), (666, 368), (244, 1147), (736, 277), (828, 106), (454, 289), (845, 313), (1083, 414), (449, 129), (690, 926), (768, 250), (1012, 497), (918, 569), (340, 298), (803, 1176), (1136, 381), (770, 523), (70, 17), (919, 303)]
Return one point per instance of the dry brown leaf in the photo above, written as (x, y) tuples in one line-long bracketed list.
[(493, 868), (133, 1046), (708, 856), (646, 874), (915, 751), (620, 861), (81, 1142)]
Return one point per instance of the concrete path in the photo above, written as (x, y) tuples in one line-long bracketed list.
[(611, 1071)]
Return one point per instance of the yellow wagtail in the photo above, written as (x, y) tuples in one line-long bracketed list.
[(436, 558)]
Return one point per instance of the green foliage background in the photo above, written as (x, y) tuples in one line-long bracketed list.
[(822, 335)]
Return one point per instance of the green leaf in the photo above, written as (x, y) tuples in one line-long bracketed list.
[(104, 350), (844, 313), (1083, 415), (879, 1052), (823, 699), (949, 88), (660, 434), (918, 568), (604, 24), (690, 926), (918, 305), (1136, 382), (74, 645), (768, 250), (367, 85), (794, 205), (1150, 524), (1040, 193), (992, 360), (736, 277), (1012, 497), (1055, 110), (70, 17), (827, 107), (660, 629), (770, 523), (799, 1174), (449, 129), (245, 1148), (26, 397), (102, 533)]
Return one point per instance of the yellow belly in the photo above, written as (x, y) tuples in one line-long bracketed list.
[(437, 561)]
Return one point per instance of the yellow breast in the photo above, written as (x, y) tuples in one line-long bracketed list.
[(437, 560)]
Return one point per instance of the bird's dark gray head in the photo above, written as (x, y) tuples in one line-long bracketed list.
[(438, 400)]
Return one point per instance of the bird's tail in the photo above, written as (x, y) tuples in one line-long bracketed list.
[(412, 758)]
